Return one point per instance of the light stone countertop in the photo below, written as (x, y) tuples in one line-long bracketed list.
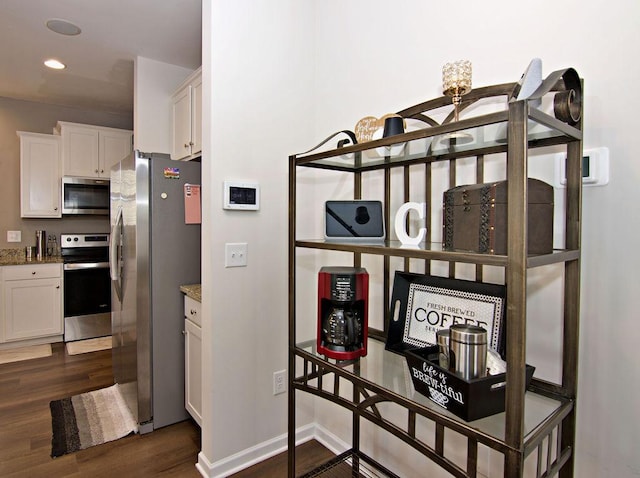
[(192, 290), (16, 257)]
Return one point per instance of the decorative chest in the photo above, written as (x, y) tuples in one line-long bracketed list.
[(475, 218)]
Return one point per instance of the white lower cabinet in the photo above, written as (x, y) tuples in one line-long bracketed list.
[(32, 301), (193, 359)]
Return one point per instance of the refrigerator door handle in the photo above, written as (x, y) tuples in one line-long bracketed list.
[(115, 254)]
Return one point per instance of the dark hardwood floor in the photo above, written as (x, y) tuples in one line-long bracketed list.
[(27, 387)]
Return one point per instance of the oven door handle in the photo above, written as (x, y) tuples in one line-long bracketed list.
[(85, 265)]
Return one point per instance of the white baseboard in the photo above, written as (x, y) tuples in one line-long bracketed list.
[(28, 342), (262, 451), (328, 439)]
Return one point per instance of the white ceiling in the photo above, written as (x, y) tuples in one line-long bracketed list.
[(99, 73)]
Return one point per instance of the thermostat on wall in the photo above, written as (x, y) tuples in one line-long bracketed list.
[(241, 196), (595, 168)]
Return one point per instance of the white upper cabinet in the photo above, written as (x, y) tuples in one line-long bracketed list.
[(186, 112), (40, 170), (114, 145), (196, 114), (90, 151), (181, 117)]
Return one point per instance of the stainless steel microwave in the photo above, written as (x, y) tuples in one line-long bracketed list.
[(85, 196)]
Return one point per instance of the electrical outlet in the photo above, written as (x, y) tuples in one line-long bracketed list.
[(279, 382)]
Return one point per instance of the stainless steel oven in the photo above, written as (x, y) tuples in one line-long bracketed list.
[(87, 286)]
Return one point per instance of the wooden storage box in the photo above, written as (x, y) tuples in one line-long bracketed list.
[(468, 399), (475, 218)]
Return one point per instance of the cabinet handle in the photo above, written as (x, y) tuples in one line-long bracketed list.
[(57, 287), (190, 143), (96, 171), (193, 312), (184, 332), (33, 273), (186, 145), (101, 171), (55, 208)]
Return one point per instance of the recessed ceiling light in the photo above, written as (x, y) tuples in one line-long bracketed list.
[(64, 27), (55, 64)]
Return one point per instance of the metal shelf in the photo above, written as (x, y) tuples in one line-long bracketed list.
[(540, 420), (435, 251), (428, 144), (384, 376), (350, 464)]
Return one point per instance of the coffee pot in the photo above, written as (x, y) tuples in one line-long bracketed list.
[(343, 312)]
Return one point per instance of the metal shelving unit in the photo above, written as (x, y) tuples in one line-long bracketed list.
[(540, 419)]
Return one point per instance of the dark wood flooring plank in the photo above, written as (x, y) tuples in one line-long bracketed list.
[(308, 455), (27, 387)]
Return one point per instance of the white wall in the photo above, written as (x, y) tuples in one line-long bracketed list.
[(390, 56), (282, 75), (154, 83), (257, 80)]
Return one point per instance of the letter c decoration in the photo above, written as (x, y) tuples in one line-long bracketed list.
[(400, 223)]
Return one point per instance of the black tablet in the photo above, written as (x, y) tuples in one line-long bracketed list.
[(356, 220)]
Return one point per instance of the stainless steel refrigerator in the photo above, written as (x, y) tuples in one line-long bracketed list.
[(152, 253)]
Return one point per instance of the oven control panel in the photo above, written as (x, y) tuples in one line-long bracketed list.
[(84, 240)]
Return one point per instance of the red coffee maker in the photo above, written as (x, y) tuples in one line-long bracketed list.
[(343, 294)]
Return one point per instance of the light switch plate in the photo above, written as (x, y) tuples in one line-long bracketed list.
[(235, 254), (14, 236)]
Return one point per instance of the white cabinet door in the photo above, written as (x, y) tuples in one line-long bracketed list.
[(193, 370), (187, 118), (80, 146), (40, 171), (181, 117), (90, 151), (32, 307), (114, 147), (2, 340), (196, 115)]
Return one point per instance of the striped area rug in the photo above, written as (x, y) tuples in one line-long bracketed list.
[(89, 419)]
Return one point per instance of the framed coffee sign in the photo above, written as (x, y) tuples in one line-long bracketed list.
[(423, 304)]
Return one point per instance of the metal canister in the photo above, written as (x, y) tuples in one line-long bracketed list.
[(41, 245), (442, 337), (468, 351)]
